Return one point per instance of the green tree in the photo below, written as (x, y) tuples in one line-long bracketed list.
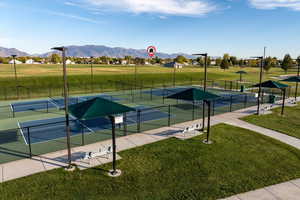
[(287, 63), (233, 60), (269, 63), (224, 64), (200, 61), (218, 61), (181, 59), (298, 60), (55, 58)]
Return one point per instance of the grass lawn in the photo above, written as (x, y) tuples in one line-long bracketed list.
[(46, 80), (288, 124), (238, 161)]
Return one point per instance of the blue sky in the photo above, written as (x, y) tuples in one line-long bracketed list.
[(237, 27)]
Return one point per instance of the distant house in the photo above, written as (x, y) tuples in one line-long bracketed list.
[(30, 61), (213, 62), (12, 62), (174, 65), (124, 62), (70, 62)]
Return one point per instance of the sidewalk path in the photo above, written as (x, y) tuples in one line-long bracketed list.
[(285, 191)]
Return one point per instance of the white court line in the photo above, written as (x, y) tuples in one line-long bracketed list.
[(21, 130)]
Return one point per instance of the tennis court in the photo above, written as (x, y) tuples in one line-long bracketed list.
[(57, 103), (38, 131)]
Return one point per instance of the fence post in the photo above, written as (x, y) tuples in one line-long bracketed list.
[(138, 121), (47, 106), (169, 115), (230, 85), (29, 142), (193, 110), (125, 124), (82, 135), (213, 109), (245, 101), (230, 109)]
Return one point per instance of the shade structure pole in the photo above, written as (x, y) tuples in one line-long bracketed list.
[(113, 129), (207, 141), (283, 101), (297, 84), (92, 75), (260, 81), (204, 88)]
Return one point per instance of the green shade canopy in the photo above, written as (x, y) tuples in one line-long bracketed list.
[(271, 84), (194, 94), (241, 72), (97, 107), (293, 79)]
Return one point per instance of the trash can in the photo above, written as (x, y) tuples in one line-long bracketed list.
[(242, 88), (272, 99)]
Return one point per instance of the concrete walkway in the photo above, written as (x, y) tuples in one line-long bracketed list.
[(284, 191), (25, 167)]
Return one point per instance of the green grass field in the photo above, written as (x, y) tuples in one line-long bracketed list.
[(238, 161), (46, 80), (288, 124)]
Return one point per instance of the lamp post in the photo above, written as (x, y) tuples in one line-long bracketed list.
[(66, 102), (92, 74), (260, 81), (204, 86), (15, 70)]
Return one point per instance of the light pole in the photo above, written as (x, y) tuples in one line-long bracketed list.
[(66, 100), (92, 74), (260, 81), (204, 86), (16, 78)]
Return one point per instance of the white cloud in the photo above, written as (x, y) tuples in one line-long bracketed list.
[(272, 4), (166, 7)]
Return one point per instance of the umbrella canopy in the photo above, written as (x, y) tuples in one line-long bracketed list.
[(241, 72), (293, 79), (97, 107), (271, 84), (194, 94)]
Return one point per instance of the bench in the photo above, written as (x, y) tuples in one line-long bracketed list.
[(191, 129), (103, 152)]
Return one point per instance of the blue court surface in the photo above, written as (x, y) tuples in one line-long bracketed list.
[(51, 129), (51, 103)]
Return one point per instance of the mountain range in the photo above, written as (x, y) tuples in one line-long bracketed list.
[(95, 51)]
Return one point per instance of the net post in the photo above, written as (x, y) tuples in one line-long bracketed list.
[(230, 108), (169, 115), (13, 111), (29, 142)]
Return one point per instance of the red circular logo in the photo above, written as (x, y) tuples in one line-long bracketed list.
[(151, 51)]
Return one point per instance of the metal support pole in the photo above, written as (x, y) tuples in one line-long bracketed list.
[(125, 124), (169, 115), (82, 135), (283, 101), (245, 101), (113, 128), (260, 81), (29, 142), (193, 110), (230, 106), (139, 121)]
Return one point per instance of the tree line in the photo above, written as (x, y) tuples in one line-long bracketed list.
[(224, 62)]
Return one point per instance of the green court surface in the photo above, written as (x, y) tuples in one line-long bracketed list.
[(12, 139)]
